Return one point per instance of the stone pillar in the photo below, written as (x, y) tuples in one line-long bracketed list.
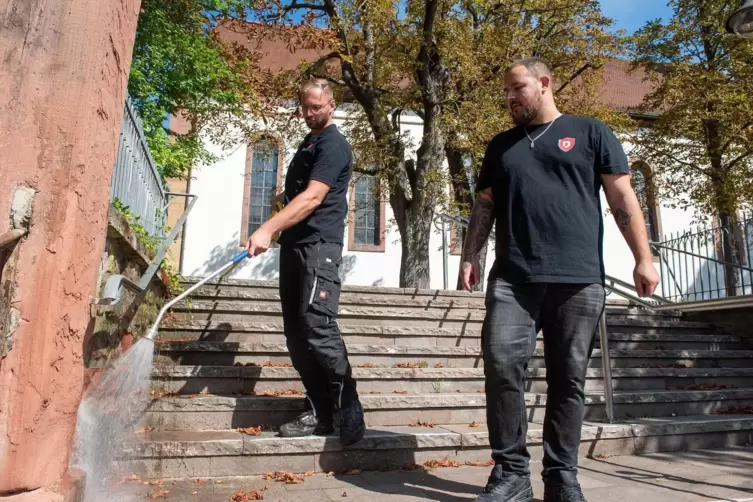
[(64, 74)]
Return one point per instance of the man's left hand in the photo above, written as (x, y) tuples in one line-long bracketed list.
[(259, 242), (646, 278)]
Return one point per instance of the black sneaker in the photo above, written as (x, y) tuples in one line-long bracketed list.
[(305, 425), (510, 488), (554, 492), (352, 426)]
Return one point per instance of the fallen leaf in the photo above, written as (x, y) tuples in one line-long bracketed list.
[(439, 365), (218, 482), (245, 496), (415, 364), (367, 365), (308, 474), (155, 482), (131, 479), (284, 477), (330, 474), (474, 424), (144, 430), (245, 392), (158, 494), (375, 392), (251, 431), (422, 424), (411, 467), (480, 463), (734, 410), (279, 393), (345, 494), (434, 464), (400, 392), (601, 456)]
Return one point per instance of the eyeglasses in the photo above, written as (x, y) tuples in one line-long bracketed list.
[(313, 108)]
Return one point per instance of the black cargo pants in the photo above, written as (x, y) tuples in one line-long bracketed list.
[(310, 297)]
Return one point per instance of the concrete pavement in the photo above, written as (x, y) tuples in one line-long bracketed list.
[(695, 476)]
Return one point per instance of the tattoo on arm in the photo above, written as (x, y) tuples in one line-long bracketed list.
[(479, 227), (622, 218)]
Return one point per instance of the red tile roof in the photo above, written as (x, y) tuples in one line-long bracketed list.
[(621, 89)]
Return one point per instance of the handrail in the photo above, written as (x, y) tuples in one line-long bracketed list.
[(111, 294), (695, 255)]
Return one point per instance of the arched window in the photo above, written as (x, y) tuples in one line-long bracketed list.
[(642, 180), (261, 183), (366, 228)]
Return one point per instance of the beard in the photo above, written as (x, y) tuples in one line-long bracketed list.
[(523, 115), (317, 123)]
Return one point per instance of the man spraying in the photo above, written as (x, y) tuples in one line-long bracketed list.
[(312, 223), (540, 181)]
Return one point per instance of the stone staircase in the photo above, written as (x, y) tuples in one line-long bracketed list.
[(221, 365)]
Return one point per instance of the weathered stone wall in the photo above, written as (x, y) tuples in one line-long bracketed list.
[(64, 75), (116, 328)]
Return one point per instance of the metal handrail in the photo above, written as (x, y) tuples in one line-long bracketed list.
[(115, 284)]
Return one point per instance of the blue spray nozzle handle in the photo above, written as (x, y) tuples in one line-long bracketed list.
[(241, 256)]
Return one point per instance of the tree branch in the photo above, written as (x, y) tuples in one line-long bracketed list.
[(739, 158), (732, 138), (573, 77), (304, 5)]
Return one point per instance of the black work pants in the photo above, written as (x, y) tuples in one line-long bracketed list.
[(310, 295)]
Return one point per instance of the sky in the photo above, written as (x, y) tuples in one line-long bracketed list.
[(631, 15)]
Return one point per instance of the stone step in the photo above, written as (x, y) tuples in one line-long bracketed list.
[(243, 379), (212, 412), (394, 301), (228, 354), (272, 332), (229, 310), (209, 454)]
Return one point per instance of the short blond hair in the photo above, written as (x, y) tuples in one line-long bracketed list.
[(535, 65), (317, 83)]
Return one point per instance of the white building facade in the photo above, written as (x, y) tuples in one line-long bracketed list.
[(233, 200)]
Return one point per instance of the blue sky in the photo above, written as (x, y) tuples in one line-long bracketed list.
[(631, 15)]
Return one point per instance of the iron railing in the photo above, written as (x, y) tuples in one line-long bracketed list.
[(707, 263), (136, 182)]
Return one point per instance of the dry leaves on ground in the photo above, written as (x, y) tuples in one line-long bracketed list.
[(268, 364), (414, 364), (246, 496), (734, 410), (251, 431), (374, 392), (705, 386), (400, 392), (158, 494), (350, 472), (200, 481), (132, 478), (280, 393), (479, 463), (284, 477), (144, 430), (439, 365), (474, 424), (367, 365), (422, 424), (446, 462)]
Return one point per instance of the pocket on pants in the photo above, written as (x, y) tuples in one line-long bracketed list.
[(325, 294)]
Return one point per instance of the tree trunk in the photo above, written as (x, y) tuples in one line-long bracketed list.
[(728, 253), (414, 220), (463, 198), (65, 70)]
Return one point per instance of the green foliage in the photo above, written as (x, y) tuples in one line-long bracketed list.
[(151, 244), (180, 64), (701, 146)]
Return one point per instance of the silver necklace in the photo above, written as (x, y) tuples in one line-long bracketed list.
[(525, 129)]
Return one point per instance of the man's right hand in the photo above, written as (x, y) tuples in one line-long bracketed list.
[(470, 271)]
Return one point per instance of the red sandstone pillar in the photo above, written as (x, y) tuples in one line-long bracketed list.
[(63, 73)]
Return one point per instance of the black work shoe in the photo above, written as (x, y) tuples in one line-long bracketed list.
[(352, 426), (305, 425), (554, 492), (511, 488)]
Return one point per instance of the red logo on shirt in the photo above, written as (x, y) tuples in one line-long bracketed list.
[(567, 144), (322, 294)]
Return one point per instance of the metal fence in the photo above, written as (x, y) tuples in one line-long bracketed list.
[(694, 265), (136, 183)]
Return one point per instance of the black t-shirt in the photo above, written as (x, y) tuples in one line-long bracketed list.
[(326, 157), (549, 225)]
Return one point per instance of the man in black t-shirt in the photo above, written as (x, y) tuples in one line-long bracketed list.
[(312, 225), (540, 182)]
